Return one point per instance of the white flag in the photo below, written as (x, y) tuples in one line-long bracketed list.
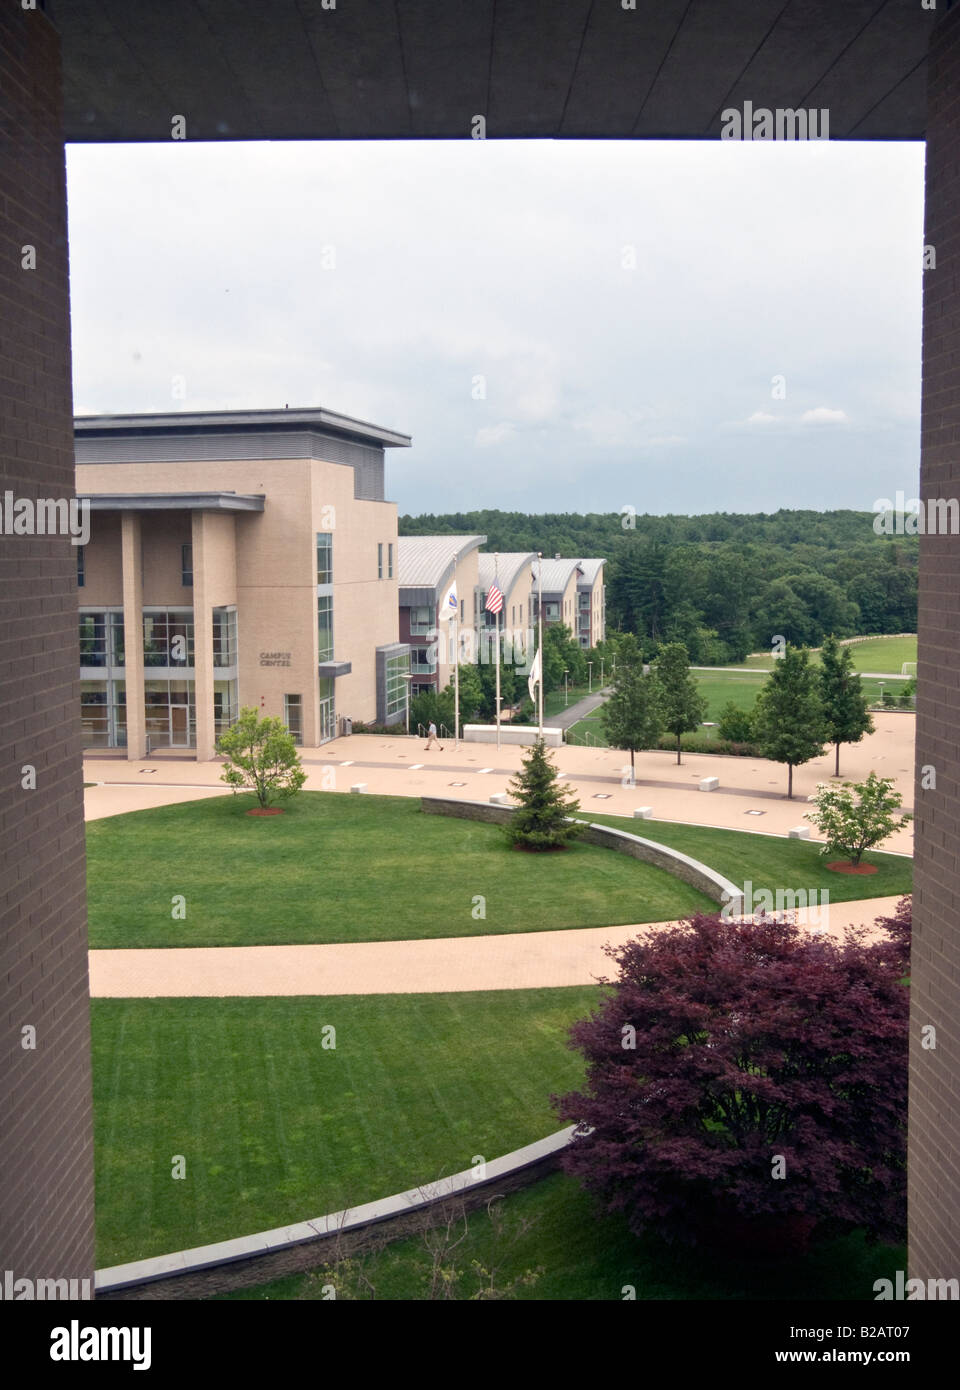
[(450, 608), (534, 676)]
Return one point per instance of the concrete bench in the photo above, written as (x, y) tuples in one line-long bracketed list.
[(799, 832), (359, 787), (709, 784), (643, 813), (500, 799)]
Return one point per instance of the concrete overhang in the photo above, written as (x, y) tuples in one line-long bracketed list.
[(174, 501), (330, 670), (179, 422), (374, 69)]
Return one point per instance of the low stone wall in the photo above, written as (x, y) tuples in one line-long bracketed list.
[(526, 734), (692, 871), (257, 1259)]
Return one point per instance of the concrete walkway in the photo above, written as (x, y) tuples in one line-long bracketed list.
[(524, 960), (578, 711)]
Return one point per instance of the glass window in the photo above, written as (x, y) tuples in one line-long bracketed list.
[(325, 627), (396, 667), (81, 566), (168, 637), (379, 559), (390, 559), (93, 639), (324, 557), (420, 663), (186, 565), (224, 706), (293, 716), (224, 637), (421, 621)]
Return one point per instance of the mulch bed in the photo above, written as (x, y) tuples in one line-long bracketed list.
[(266, 811), (843, 866)]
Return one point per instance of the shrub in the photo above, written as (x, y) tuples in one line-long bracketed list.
[(735, 724), (857, 815), (261, 757), (726, 1053)]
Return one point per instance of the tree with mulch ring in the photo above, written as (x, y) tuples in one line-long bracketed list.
[(854, 817), (746, 1085), (261, 757), (541, 821)]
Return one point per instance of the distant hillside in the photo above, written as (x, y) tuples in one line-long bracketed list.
[(723, 583)]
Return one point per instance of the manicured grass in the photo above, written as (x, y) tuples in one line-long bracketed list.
[(872, 654), (554, 701), (771, 862), (336, 867), (274, 1128), (722, 688), (586, 1256)]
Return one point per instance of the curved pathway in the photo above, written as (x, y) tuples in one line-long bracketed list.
[(522, 960)]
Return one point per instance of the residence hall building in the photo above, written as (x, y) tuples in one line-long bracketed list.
[(235, 558), (573, 593), (428, 567), (513, 571)]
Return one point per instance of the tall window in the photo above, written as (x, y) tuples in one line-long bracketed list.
[(396, 667), (81, 566), (421, 621), (224, 637), (379, 559), (390, 560), (324, 557), (325, 627), (293, 716), (186, 566), (168, 637)]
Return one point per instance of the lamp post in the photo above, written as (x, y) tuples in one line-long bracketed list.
[(601, 673), (566, 686), (407, 678), (881, 692), (590, 665)]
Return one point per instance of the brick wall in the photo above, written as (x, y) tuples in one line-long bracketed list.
[(934, 1134), (46, 1196)]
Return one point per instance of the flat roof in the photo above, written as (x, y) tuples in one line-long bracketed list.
[(174, 501), (232, 421)]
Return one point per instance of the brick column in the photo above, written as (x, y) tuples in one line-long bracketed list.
[(46, 1148), (202, 640), (934, 1135), (131, 560)]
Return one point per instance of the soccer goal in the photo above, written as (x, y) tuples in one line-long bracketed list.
[(909, 668)]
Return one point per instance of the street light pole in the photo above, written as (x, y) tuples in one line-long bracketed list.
[(540, 645), (601, 673), (590, 666), (566, 686)]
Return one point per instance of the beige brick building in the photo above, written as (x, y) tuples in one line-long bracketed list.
[(236, 558)]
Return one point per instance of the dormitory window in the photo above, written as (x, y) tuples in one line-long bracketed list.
[(186, 566), (81, 563), (421, 621), (324, 558), (379, 559), (224, 637), (390, 560), (325, 627)]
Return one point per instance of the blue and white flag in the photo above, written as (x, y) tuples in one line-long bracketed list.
[(450, 608)]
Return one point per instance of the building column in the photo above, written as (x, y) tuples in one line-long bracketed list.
[(46, 1136), (202, 642), (131, 560), (934, 1129)]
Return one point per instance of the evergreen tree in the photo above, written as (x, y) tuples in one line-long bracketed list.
[(788, 715), (683, 705), (844, 702), (632, 717), (540, 821)]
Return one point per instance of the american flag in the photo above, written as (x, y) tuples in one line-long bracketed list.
[(494, 602)]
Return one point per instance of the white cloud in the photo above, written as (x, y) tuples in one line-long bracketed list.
[(759, 417), (823, 415), (492, 435), (659, 440)]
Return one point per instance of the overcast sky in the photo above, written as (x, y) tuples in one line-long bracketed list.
[(479, 296)]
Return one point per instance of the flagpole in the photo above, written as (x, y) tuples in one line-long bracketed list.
[(540, 645), (496, 580), (456, 657)]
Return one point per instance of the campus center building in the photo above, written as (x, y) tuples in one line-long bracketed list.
[(235, 558)]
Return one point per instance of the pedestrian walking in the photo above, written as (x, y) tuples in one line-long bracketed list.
[(432, 737)]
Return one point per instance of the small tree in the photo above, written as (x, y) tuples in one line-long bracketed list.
[(729, 1054), (540, 821), (856, 816), (682, 705), (261, 757), (788, 715), (736, 724), (632, 717), (844, 702)]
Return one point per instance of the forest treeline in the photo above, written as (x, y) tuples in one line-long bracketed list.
[(723, 584)]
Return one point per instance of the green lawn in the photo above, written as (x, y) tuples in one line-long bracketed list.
[(586, 1256), (274, 1128), (769, 861), (554, 701), (871, 654), (337, 867)]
